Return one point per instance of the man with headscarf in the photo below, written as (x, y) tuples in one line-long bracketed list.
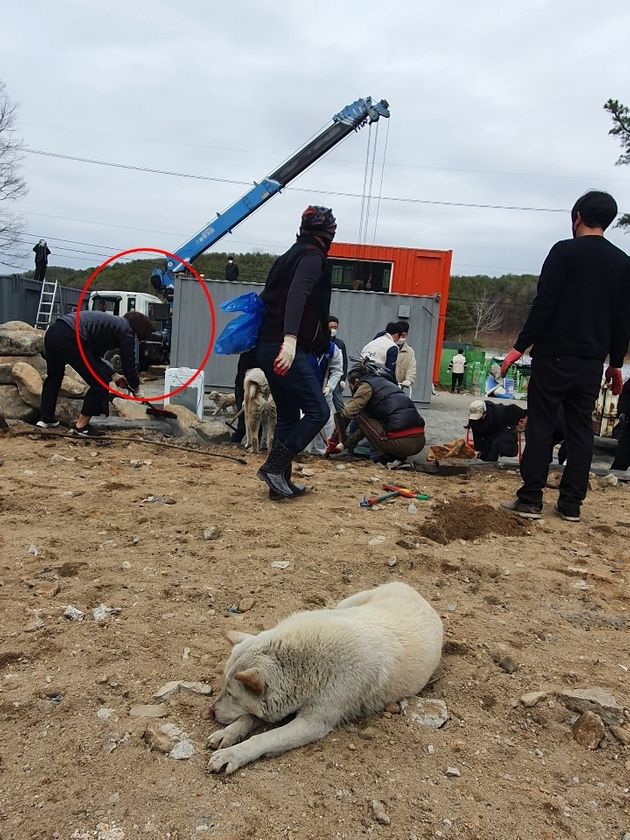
[(295, 324), (41, 260)]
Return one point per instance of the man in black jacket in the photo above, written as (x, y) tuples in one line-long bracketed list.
[(295, 324), (42, 252), (622, 431), (495, 429), (580, 315), (384, 415), (100, 332), (231, 270)]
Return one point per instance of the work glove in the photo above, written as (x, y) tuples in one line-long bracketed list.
[(326, 390), (342, 384), (332, 445), (512, 357), (121, 382), (139, 393), (614, 378), (286, 356), (406, 383)]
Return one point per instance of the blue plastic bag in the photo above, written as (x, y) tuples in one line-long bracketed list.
[(241, 334)]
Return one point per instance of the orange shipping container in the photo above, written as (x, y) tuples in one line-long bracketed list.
[(404, 271)]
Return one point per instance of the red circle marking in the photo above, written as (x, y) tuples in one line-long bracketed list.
[(207, 294)]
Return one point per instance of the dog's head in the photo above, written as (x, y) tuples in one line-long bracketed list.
[(249, 681)]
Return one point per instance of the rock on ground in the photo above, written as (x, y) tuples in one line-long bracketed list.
[(588, 730), (593, 700), (12, 406), (18, 339), (425, 711), (29, 383)]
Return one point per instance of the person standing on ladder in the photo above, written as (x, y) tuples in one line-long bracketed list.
[(42, 252)]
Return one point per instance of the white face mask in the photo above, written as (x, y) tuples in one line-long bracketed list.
[(401, 341), (333, 331)]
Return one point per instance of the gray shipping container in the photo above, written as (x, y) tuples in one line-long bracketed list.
[(361, 315), (19, 299)]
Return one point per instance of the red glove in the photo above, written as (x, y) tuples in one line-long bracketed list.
[(512, 356), (121, 382), (332, 445), (614, 378)]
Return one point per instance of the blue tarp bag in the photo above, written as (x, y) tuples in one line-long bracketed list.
[(241, 334)]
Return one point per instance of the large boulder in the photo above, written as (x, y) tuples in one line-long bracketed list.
[(29, 383), (129, 409), (68, 410), (72, 386), (12, 407), (20, 341), (7, 362)]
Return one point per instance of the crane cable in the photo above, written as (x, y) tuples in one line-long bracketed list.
[(369, 199), (380, 187), (365, 178)]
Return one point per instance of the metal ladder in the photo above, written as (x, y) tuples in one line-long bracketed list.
[(48, 304)]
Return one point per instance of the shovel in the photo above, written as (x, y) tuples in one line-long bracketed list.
[(152, 410)]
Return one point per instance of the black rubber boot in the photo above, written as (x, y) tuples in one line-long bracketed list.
[(273, 471), (296, 489)]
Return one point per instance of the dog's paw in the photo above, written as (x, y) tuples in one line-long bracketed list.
[(225, 759), (220, 739)]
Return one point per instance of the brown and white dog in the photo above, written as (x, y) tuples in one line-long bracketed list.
[(222, 402), (259, 408)]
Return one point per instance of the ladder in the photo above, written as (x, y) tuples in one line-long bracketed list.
[(48, 304)]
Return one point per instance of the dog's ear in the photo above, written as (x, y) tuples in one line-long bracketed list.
[(252, 679), (235, 636)]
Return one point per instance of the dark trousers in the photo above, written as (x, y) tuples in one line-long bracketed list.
[(622, 456), (573, 384), (40, 271), (457, 380), (299, 390), (337, 398), (60, 349)]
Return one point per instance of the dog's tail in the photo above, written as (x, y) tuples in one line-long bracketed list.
[(254, 389)]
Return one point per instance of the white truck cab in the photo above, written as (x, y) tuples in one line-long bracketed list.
[(120, 302)]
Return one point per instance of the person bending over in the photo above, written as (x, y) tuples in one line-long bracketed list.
[(384, 415), (495, 429), (100, 332)]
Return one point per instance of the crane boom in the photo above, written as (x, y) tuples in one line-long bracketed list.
[(349, 119)]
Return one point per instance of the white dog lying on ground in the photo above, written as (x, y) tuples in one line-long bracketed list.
[(326, 667)]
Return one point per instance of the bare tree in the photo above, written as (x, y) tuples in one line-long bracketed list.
[(485, 314), (12, 185)]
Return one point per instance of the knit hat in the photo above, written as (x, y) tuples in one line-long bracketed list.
[(319, 221)]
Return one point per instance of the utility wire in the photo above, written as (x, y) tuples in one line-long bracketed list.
[(337, 193)]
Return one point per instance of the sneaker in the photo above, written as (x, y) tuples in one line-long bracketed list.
[(568, 517), (88, 432), (47, 423), (523, 510)]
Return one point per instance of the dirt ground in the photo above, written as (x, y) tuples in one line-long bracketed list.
[(73, 764)]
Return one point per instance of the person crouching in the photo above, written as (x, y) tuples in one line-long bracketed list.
[(383, 414)]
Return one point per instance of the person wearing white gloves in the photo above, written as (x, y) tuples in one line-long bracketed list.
[(330, 370), (296, 298)]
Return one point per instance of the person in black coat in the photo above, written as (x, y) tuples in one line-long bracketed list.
[(231, 270), (495, 429), (622, 430), (41, 260), (100, 332), (296, 298)]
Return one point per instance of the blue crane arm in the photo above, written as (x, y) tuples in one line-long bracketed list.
[(349, 119)]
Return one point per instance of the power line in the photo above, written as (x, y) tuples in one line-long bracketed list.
[(163, 141), (400, 199)]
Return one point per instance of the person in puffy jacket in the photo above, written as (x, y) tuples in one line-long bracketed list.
[(296, 298), (100, 332), (383, 414)]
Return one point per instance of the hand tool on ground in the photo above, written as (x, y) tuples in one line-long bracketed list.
[(375, 500), (152, 410), (407, 493)]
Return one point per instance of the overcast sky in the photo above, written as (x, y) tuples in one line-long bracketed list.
[(491, 103)]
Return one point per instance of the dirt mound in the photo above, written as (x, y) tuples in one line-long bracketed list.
[(466, 520)]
